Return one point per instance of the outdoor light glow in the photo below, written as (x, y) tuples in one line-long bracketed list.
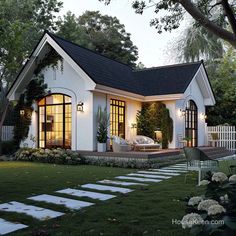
[(203, 116), (181, 113)]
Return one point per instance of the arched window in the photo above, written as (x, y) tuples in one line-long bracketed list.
[(191, 124), (54, 121)]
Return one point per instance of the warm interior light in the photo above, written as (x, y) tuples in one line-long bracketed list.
[(80, 106), (158, 134)]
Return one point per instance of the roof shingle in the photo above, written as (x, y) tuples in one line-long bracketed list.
[(171, 79)]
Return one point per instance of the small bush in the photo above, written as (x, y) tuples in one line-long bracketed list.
[(56, 156), (136, 164), (8, 147)]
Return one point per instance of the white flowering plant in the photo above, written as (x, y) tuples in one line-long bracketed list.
[(216, 208), (56, 156)]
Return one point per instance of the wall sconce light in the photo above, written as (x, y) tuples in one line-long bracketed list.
[(182, 112), (22, 112), (133, 125), (203, 116), (80, 106)]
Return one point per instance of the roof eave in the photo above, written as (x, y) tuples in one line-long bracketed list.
[(137, 97)]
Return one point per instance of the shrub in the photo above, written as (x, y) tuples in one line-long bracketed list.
[(218, 203), (123, 163), (57, 156)]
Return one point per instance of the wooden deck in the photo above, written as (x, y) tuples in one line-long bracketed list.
[(133, 154), (161, 154)]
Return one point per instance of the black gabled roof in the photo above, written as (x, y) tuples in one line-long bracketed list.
[(102, 70), (172, 79)]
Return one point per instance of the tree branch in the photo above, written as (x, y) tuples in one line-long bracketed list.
[(205, 22), (230, 15)]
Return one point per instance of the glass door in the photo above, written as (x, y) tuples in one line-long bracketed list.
[(55, 121)]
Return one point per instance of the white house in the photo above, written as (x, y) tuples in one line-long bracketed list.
[(90, 80)]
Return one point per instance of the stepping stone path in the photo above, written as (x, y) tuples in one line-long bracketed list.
[(171, 171), (106, 181), (154, 172), (139, 179), (7, 227), (107, 188), (69, 203), (82, 193), (36, 212), (151, 175)]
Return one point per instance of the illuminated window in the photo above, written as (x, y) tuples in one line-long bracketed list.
[(191, 123), (117, 118), (55, 121)]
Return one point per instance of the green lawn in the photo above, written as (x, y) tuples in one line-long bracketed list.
[(146, 211)]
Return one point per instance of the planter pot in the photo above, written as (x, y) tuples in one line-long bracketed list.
[(102, 147)]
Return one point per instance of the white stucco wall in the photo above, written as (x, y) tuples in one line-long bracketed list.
[(68, 82), (84, 124), (193, 92)]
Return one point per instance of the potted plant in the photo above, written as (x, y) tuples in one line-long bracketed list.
[(103, 123)]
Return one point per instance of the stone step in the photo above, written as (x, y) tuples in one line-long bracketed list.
[(139, 179), (122, 183), (36, 212), (7, 227), (89, 194), (107, 188), (149, 176)]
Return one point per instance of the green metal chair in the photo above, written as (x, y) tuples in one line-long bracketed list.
[(197, 160)]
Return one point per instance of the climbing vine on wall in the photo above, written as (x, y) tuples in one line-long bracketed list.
[(50, 59), (35, 90), (154, 116)]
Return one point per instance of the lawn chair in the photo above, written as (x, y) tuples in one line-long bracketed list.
[(197, 160)]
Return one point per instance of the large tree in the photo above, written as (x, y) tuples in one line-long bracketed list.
[(223, 79), (21, 25), (222, 24), (101, 33), (197, 43)]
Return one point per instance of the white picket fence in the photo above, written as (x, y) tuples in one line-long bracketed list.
[(7, 133), (222, 136)]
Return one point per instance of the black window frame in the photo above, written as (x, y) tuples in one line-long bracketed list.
[(191, 123), (119, 104), (45, 118)]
